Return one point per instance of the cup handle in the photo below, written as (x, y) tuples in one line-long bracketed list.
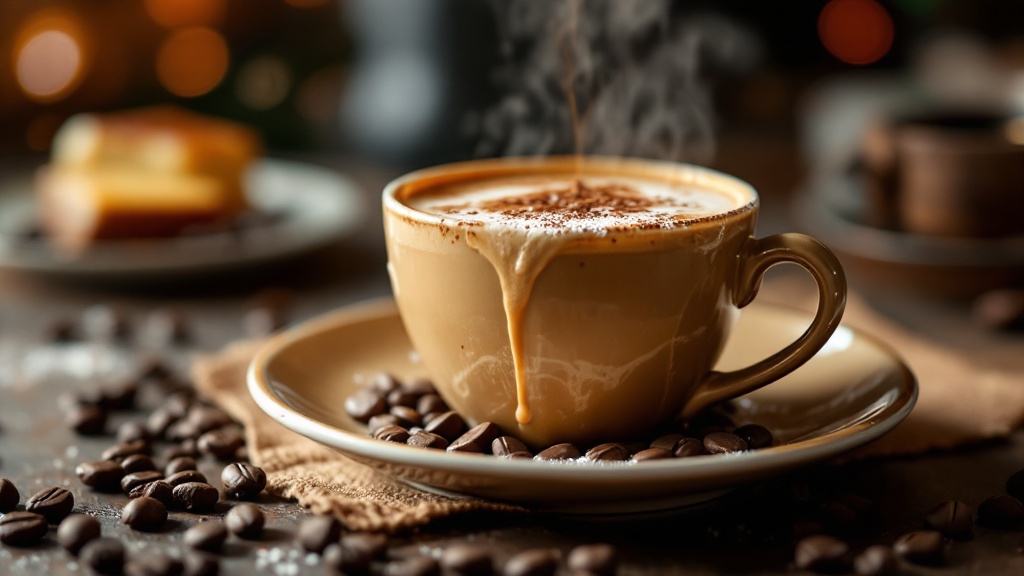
[(757, 258)]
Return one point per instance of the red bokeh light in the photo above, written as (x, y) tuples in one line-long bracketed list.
[(856, 31)]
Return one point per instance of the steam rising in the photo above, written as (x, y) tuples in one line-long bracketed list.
[(638, 79)]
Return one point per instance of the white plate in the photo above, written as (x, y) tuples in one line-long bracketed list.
[(316, 206), (852, 392)]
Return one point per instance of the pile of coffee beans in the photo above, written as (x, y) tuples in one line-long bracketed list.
[(412, 413)]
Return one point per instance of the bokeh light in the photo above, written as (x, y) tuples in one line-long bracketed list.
[(856, 31), (263, 82), (49, 56), (1015, 130), (192, 61), (177, 13)]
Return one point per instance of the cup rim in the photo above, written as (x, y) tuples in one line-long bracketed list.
[(513, 165)]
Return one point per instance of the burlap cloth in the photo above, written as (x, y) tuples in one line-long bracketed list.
[(960, 403)]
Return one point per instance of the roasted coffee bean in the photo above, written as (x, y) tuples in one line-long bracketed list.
[(401, 397), (120, 395), (76, 531), (54, 504), (952, 518), (415, 566), (180, 464), (144, 514), (610, 452), (477, 440), (267, 312), (382, 383), (106, 322), (206, 536), (61, 331), (159, 421), (517, 455), (197, 564), (430, 403), (178, 404), (467, 560), (316, 532), (448, 426), (823, 554), (506, 445), (131, 431), (921, 547), (186, 476), (724, 443), (165, 327), (138, 463), (206, 418), (102, 475), (392, 433), (222, 443), (126, 449), (186, 448), (245, 521), (365, 404), (103, 555), (1015, 485), (22, 529), (430, 416), (9, 496), (689, 447), (1000, 512), (536, 562), (876, 561), (158, 490), (87, 420), (755, 435), (134, 480), (407, 417), (196, 496), (596, 559), (381, 420), (564, 451), (372, 544), (423, 439), (243, 481), (667, 442), (154, 564), (419, 386), (651, 454), (346, 560), (708, 423)]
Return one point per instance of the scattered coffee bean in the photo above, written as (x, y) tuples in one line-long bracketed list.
[(180, 464), (448, 426), (407, 417), (131, 431), (430, 403), (402, 397), (345, 560), (952, 518), (381, 420), (138, 463), (876, 561), (564, 451), (724, 443), (158, 490), (374, 545), (520, 454), (87, 420), (206, 536), (54, 504), (101, 475), (755, 435), (245, 521), (61, 331), (382, 383), (196, 496), (506, 445), (316, 532), (921, 547), (184, 476), (222, 443), (476, 440), (178, 404), (414, 566), (1000, 512), (688, 447), (596, 559), (144, 514), (103, 555), (467, 560), (154, 564), (206, 418), (609, 452), (124, 450), (419, 387), (159, 421), (9, 495), (364, 405), (243, 481), (536, 562), (22, 529), (392, 433), (430, 416), (667, 442), (76, 531), (201, 565), (120, 395), (651, 454), (822, 554), (424, 439), (134, 480)]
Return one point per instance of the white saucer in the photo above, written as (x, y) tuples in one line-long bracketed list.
[(854, 391), (315, 206)]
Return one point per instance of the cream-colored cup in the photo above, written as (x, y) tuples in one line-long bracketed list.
[(620, 331)]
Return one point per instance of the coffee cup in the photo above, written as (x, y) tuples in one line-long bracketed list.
[(587, 299)]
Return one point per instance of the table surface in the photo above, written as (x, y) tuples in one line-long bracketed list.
[(748, 532)]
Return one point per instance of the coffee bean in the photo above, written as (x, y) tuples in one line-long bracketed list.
[(667, 442), (407, 417), (724, 443), (430, 416), (120, 395), (144, 514), (381, 420), (267, 312), (506, 445), (430, 403), (610, 452), (688, 447), (222, 443), (564, 451), (415, 566), (346, 560), (61, 331), (54, 504), (401, 397), (76, 531), (448, 426), (316, 532), (166, 327), (419, 387), (178, 404), (102, 475), (364, 405), (136, 479), (124, 450), (206, 536), (22, 529), (180, 464), (921, 547), (374, 545), (138, 463), (520, 455), (103, 555), (876, 561), (537, 562), (158, 490), (87, 420), (132, 431), (477, 440), (596, 559), (243, 481), (197, 564), (206, 418), (423, 439), (245, 521), (392, 433), (9, 496), (1000, 512), (756, 436), (184, 476), (467, 560), (106, 322), (382, 383), (952, 518), (185, 449), (823, 554), (196, 496), (651, 454), (154, 564), (159, 421)]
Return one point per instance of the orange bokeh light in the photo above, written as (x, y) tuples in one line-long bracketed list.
[(50, 55), (192, 61), (856, 31), (177, 13)]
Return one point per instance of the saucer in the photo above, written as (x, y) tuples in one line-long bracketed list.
[(852, 392)]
